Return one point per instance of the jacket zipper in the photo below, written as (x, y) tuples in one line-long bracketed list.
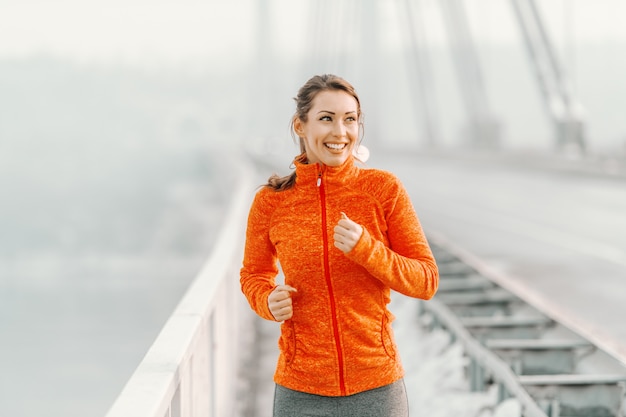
[(333, 306)]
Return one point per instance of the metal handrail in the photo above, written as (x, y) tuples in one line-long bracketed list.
[(191, 368), (498, 369)]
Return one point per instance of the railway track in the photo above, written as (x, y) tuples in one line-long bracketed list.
[(519, 349)]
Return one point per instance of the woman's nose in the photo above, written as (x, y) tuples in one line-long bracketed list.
[(339, 129)]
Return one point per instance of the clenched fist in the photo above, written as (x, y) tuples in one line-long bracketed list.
[(347, 234), (279, 302)]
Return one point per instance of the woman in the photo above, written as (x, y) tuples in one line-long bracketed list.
[(344, 236)]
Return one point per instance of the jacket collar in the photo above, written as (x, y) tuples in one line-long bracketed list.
[(308, 174)]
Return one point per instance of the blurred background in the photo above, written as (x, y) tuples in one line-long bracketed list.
[(121, 121)]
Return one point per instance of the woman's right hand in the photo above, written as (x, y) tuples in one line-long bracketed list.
[(279, 302)]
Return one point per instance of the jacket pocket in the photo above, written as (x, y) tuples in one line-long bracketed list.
[(387, 336), (287, 341)]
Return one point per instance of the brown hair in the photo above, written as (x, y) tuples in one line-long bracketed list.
[(304, 102)]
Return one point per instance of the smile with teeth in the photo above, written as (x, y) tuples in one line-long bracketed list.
[(336, 146)]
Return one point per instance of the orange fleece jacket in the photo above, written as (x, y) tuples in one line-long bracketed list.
[(339, 340)]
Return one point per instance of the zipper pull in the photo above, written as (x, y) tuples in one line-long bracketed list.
[(320, 172)]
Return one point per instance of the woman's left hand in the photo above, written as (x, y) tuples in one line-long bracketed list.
[(347, 234)]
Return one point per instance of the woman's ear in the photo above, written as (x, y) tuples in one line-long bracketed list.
[(298, 126)]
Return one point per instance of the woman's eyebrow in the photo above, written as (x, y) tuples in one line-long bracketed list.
[(332, 112)]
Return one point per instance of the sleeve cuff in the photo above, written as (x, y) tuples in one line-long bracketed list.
[(264, 309), (363, 248)]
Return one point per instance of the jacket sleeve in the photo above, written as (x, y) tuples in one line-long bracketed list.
[(407, 265), (257, 276)]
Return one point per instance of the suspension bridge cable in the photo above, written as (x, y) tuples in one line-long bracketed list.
[(484, 128), (420, 70), (566, 112), (314, 33), (569, 41), (330, 33), (350, 25)]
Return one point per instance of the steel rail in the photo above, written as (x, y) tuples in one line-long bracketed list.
[(508, 345), (488, 360)]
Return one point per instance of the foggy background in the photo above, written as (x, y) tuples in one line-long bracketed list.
[(120, 122)]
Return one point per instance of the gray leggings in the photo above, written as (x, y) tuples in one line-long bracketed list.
[(387, 401)]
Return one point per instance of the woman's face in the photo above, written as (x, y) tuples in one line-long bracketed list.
[(331, 129)]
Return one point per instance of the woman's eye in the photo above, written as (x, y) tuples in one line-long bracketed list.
[(351, 119), (325, 118)]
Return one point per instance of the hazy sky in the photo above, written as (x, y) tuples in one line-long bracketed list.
[(131, 31), (143, 32)]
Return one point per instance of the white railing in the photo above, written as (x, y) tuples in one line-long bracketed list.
[(191, 369)]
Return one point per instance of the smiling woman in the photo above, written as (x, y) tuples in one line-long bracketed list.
[(327, 122), (330, 130), (332, 225)]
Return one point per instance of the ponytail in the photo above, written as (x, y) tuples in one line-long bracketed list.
[(279, 183)]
